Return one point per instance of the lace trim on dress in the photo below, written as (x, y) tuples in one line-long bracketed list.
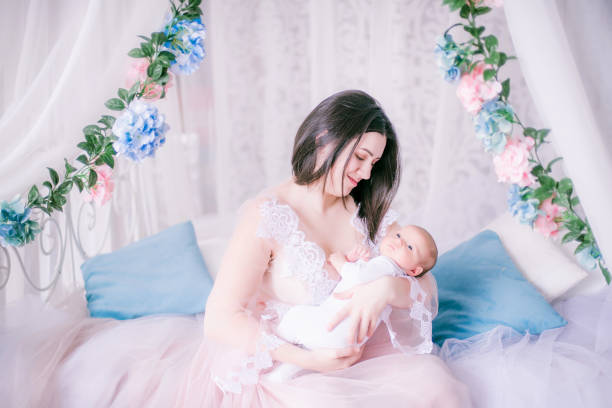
[(419, 312), (305, 258), (250, 367)]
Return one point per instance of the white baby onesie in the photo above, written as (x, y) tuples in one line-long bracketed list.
[(306, 325)]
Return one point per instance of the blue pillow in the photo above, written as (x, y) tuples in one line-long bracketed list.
[(163, 273), (479, 288)]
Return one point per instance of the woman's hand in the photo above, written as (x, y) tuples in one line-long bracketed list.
[(325, 359), (366, 303)]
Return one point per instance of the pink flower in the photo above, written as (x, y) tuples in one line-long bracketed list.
[(102, 190), (512, 166), (473, 91), (138, 72), (545, 223)]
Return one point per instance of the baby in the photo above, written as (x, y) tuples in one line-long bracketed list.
[(411, 251)]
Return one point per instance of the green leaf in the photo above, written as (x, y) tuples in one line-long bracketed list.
[(54, 176), (480, 30), (167, 55), (505, 88), (109, 159), (456, 4), (490, 42), (159, 38), (537, 170), (83, 159), (575, 201), (133, 91), (33, 195), (541, 134), (478, 11), (494, 58), (561, 200), (547, 181), (91, 140), (69, 168), (99, 161), (107, 121), (93, 178), (115, 104), (488, 74), (565, 186), (156, 70), (147, 49), (79, 183), (65, 187), (48, 185), (575, 225), (465, 11), (553, 161), (163, 62), (144, 37), (580, 247), (108, 149), (570, 236), (122, 93), (92, 130), (470, 30), (531, 132), (542, 193), (503, 57), (136, 53)]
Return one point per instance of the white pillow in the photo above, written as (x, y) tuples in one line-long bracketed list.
[(213, 232), (213, 250), (542, 261)]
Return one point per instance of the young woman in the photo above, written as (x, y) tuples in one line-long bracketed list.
[(345, 174)]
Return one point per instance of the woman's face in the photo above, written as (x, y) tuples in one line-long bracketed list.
[(367, 152)]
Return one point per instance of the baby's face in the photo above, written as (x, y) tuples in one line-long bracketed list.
[(409, 247)]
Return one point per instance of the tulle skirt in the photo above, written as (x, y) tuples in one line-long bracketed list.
[(59, 357)]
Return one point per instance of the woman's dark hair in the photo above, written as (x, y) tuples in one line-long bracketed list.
[(338, 120)]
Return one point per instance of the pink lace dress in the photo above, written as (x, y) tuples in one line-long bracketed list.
[(395, 370)]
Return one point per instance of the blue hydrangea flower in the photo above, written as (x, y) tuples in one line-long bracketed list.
[(492, 126), (140, 130), (446, 52), (588, 257), (187, 45), (16, 228), (525, 210)]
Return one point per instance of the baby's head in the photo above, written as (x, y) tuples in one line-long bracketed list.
[(412, 248)]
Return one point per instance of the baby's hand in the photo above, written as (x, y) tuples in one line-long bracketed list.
[(359, 252)]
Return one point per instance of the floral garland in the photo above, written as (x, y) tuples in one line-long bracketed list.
[(136, 134), (535, 197)]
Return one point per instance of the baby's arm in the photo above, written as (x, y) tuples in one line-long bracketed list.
[(359, 252)]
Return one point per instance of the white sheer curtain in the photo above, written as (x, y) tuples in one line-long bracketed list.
[(564, 69), (232, 123)]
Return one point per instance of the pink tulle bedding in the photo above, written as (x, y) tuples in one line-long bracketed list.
[(61, 358)]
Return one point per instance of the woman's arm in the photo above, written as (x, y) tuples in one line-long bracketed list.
[(239, 277)]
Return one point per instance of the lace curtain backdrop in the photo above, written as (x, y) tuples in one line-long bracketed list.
[(233, 122)]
